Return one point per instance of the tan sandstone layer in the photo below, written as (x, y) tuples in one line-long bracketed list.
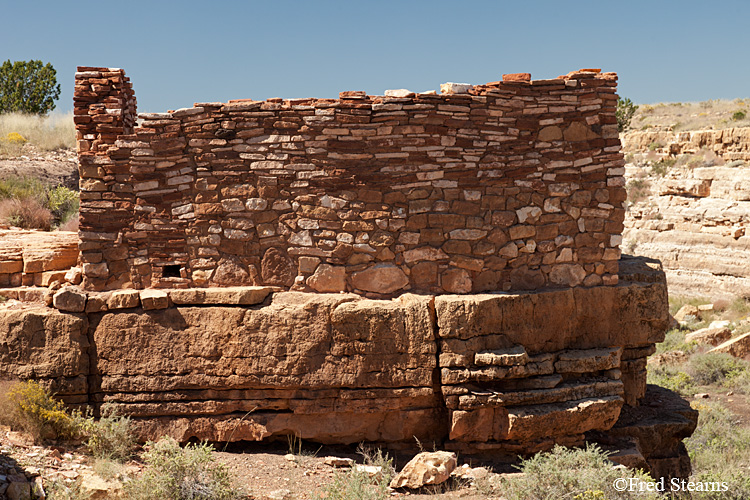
[(695, 221), (497, 373)]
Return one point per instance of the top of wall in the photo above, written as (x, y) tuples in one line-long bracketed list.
[(512, 185)]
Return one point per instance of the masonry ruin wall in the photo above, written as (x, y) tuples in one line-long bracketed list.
[(512, 185)]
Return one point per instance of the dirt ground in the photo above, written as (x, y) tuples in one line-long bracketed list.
[(53, 167)]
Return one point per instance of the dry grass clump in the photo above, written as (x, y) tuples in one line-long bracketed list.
[(27, 213), (30, 204), (47, 133)]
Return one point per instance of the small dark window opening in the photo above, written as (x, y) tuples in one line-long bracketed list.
[(172, 271)]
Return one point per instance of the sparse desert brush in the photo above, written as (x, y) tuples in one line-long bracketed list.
[(30, 407), (111, 436), (719, 451), (714, 367), (358, 484), (30, 204), (572, 473), (176, 473), (27, 213), (47, 133)]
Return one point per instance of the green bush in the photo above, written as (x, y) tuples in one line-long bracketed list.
[(713, 367), (175, 473), (110, 437), (571, 473), (739, 115), (671, 378), (624, 113), (720, 451)]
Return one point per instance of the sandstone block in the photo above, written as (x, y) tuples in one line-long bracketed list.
[(687, 311), (738, 347), (588, 360), (425, 469), (123, 299), (381, 278), (245, 295), (563, 419), (456, 281), (69, 299), (455, 88), (154, 299), (328, 278), (712, 336)]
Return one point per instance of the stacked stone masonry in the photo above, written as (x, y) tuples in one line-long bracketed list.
[(512, 185)]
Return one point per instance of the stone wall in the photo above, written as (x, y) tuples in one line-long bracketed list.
[(502, 373), (513, 185)]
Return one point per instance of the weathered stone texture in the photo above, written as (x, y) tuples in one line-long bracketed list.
[(513, 371), (513, 185)]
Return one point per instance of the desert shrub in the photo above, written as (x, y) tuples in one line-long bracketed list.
[(110, 437), (571, 473), (356, 484), (624, 113), (674, 340), (638, 190), (175, 473), (70, 225), (713, 367), (63, 203), (738, 115), (719, 451), (661, 167), (671, 378), (26, 213), (30, 204), (31, 407)]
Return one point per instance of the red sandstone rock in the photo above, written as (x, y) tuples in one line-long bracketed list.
[(517, 77)]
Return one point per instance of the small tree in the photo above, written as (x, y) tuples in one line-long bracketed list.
[(28, 87), (625, 111)]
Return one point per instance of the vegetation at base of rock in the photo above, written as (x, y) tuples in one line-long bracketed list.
[(720, 452), (624, 113), (175, 473), (357, 484), (43, 133), (30, 204), (111, 436), (584, 473), (28, 87), (30, 407)]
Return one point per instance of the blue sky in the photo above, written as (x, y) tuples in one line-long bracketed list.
[(177, 53)]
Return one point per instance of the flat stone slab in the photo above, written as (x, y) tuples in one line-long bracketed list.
[(236, 295)]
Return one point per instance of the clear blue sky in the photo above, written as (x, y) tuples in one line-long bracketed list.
[(177, 53)]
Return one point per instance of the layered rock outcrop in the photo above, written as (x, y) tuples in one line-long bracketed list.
[(503, 373), (694, 221), (729, 144)]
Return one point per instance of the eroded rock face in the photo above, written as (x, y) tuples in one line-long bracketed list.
[(502, 373), (694, 220)]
